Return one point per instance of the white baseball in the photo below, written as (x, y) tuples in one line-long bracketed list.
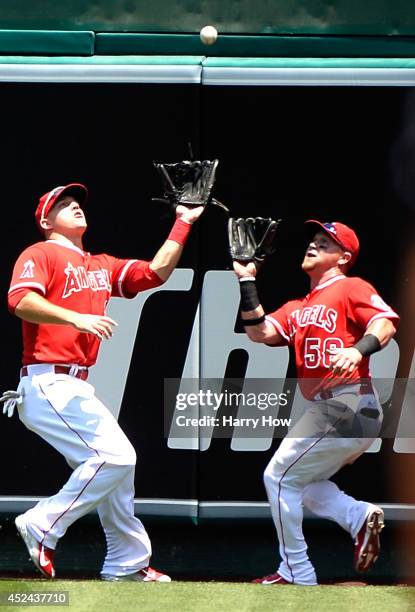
[(208, 35)]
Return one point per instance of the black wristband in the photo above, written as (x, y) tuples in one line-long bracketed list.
[(256, 321), (367, 345), (249, 295)]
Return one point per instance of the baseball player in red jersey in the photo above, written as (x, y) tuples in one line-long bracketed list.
[(60, 292), (333, 329)]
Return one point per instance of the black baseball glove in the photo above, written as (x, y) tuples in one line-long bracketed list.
[(188, 182), (252, 239)]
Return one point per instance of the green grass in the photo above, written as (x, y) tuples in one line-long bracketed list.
[(212, 596)]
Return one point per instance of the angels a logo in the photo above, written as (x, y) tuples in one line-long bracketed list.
[(28, 269), (77, 279)]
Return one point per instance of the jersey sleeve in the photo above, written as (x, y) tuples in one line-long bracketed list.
[(130, 276), (365, 304), (284, 321), (31, 273)]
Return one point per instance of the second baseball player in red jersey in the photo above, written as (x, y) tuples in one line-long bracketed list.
[(60, 292), (334, 329), (330, 318)]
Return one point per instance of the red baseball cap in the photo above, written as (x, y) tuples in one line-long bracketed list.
[(46, 202), (342, 234)]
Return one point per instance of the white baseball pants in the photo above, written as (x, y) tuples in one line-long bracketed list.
[(298, 475), (65, 412)]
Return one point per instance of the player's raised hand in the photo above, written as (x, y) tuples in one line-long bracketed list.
[(244, 269), (189, 214), (100, 326), (344, 360)]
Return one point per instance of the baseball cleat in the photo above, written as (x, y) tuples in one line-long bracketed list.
[(147, 574), (41, 555), (367, 543), (271, 579)]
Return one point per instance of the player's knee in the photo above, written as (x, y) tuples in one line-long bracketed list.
[(127, 456), (271, 476), (308, 501), (267, 480), (311, 503), (130, 457)]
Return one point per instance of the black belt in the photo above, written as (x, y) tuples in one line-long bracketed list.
[(61, 369), (364, 389)]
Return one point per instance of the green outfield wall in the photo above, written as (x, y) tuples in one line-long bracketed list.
[(376, 17)]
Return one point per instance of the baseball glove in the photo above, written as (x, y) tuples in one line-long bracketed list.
[(187, 182), (252, 239)]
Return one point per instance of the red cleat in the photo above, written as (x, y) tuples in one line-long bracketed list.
[(147, 574), (271, 579), (367, 543), (41, 555)]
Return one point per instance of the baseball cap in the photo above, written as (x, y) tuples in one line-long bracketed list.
[(46, 202), (342, 234)]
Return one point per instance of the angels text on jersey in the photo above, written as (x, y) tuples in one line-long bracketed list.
[(77, 279)]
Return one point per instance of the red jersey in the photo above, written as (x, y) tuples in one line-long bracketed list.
[(69, 277), (335, 314)]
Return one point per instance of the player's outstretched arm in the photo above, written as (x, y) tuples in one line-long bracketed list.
[(34, 308), (257, 328), (168, 256)]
